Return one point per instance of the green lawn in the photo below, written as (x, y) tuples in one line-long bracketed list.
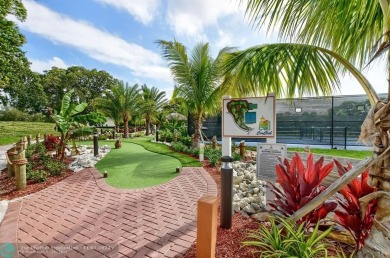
[(11, 132), (132, 166), (145, 141), (353, 154)]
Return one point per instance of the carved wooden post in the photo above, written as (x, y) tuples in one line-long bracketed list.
[(214, 142), (242, 149), (11, 155), (37, 139), (20, 171), (29, 140)]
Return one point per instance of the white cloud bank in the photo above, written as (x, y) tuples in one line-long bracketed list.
[(97, 44), (42, 65), (143, 11)]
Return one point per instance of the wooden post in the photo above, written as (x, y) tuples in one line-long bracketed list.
[(37, 139), (29, 140), (20, 171), (206, 238), (11, 155), (242, 149)]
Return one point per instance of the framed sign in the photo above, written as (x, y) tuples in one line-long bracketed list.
[(267, 155), (249, 117)]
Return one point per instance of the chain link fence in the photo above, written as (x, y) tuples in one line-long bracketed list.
[(333, 121)]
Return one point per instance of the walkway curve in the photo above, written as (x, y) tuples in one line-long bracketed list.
[(83, 216)]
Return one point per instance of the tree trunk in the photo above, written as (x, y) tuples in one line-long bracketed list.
[(125, 127), (147, 124), (198, 122)]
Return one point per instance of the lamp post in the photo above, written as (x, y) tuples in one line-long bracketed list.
[(95, 144), (226, 192)]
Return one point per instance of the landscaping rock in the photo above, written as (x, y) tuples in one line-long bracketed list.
[(249, 192), (86, 159)]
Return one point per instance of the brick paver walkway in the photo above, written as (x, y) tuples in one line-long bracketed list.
[(82, 216)]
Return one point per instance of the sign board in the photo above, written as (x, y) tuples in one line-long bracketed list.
[(267, 155), (249, 117)]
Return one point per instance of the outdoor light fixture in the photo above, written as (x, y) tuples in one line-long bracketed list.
[(298, 110)]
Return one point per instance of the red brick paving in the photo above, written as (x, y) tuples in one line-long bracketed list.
[(91, 219)]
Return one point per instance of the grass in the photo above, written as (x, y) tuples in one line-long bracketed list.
[(353, 154), (132, 166), (11, 132), (145, 142), (140, 163)]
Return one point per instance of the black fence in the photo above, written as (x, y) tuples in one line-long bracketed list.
[(333, 121)]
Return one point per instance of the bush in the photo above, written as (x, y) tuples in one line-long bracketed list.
[(349, 214), (214, 156), (186, 140), (51, 142), (36, 175), (14, 114), (55, 167), (289, 240), (300, 185)]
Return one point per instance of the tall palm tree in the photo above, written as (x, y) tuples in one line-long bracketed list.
[(197, 79), (152, 102), (324, 38), (122, 101)]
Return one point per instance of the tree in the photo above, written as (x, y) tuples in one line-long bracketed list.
[(87, 84), (152, 102), (325, 38), (68, 121), (13, 62), (28, 95), (122, 101), (197, 79)]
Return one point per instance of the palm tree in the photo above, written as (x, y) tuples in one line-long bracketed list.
[(324, 38), (197, 79), (122, 101), (152, 102)]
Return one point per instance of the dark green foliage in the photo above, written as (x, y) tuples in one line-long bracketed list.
[(55, 167), (213, 155), (37, 176), (14, 114)]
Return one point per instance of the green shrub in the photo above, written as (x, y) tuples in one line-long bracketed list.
[(236, 156), (289, 240), (214, 156), (14, 114), (30, 151), (186, 140), (55, 167), (36, 175)]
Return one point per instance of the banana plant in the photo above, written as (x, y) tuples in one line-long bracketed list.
[(67, 120)]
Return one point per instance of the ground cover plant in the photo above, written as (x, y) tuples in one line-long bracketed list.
[(11, 132), (284, 238)]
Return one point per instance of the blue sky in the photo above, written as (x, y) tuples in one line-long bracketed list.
[(118, 36)]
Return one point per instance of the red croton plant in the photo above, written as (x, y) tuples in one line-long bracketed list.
[(299, 186), (51, 142), (349, 213)]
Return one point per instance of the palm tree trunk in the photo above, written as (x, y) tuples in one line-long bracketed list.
[(147, 124), (125, 127)]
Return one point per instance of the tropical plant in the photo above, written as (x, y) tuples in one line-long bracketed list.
[(67, 120), (349, 214), (288, 240), (152, 102), (51, 142), (197, 79), (324, 38), (299, 185), (121, 101)]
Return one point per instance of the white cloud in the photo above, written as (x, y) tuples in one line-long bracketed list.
[(143, 10), (42, 65), (190, 18), (97, 44)]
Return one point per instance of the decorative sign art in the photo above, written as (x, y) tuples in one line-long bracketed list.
[(249, 117)]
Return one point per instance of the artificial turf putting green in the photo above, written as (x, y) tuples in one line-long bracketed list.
[(132, 166)]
